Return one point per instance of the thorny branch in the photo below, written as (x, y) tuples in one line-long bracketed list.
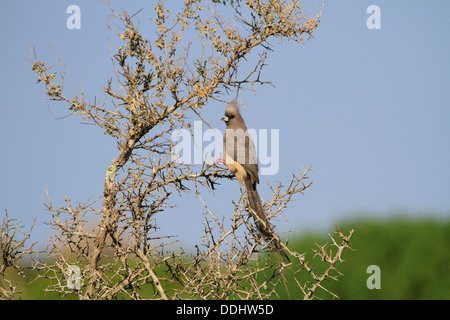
[(159, 85), (13, 249)]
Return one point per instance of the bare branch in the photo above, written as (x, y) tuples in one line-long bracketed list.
[(160, 84)]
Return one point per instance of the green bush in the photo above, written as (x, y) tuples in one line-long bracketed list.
[(412, 253)]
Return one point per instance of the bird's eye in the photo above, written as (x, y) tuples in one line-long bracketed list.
[(232, 116)]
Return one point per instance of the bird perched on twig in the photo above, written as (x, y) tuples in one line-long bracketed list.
[(241, 159)]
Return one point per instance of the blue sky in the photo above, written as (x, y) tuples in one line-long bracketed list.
[(369, 110)]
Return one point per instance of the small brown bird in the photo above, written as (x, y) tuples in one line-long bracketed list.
[(241, 159)]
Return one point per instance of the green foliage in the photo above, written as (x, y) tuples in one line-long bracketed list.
[(412, 253)]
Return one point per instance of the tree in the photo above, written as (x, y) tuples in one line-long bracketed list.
[(158, 86)]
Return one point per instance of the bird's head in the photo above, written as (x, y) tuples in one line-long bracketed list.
[(232, 114)]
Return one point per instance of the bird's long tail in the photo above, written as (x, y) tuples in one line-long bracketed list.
[(261, 221)]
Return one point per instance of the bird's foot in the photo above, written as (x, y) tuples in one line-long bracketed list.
[(221, 160)]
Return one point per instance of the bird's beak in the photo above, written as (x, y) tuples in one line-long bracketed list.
[(225, 118)]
